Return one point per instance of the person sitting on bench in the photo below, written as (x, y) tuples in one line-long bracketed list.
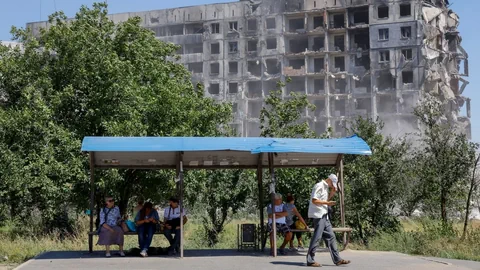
[(110, 231), (172, 225), (281, 224), (300, 224), (146, 221)]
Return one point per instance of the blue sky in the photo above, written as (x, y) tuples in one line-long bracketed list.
[(19, 12)]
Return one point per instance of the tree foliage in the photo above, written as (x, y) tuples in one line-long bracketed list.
[(374, 183), (90, 77), (447, 158)]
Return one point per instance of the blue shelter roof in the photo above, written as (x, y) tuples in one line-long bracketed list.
[(158, 152)]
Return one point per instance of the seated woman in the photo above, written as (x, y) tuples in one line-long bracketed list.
[(299, 224), (146, 221), (110, 233)]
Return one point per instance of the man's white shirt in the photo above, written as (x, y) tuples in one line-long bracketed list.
[(319, 192)]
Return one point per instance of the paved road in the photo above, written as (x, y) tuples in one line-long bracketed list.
[(232, 260)]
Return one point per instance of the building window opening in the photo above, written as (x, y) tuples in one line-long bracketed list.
[(340, 63), (233, 47), (406, 32), (407, 77), (273, 67), (255, 68), (383, 12), (339, 43), (215, 28), (318, 44), (214, 89), (405, 10), (233, 67), (318, 22), (252, 25), (361, 17), (233, 26), (385, 81), (338, 21), (297, 63), (214, 68), (196, 67), (252, 45), (271, 23), (254, 89), (296, 24), (298, 45), (383, 34), (384, 57), (233, 88), (319, 86), (363, 61), (271, 44), (318, 65), (407, 54), (362, 40), (215, 48)]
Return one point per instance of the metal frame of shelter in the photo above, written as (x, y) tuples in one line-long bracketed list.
[(181, 153)]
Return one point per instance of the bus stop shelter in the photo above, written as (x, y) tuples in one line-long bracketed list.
[(193, 153)]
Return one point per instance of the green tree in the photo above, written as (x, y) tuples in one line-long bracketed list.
[(220, 194), (97, 78), (373, 183), (446, 155), (281, 118)]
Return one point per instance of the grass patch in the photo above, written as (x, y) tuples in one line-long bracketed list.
[(428, 238)]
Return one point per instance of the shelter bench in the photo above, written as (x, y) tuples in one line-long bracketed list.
[(311, 230), (91, 234)]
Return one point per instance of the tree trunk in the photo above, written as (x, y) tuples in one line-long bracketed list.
[(443, 203), (469, 198)]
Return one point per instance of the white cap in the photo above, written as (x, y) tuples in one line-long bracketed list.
[(334, 179)]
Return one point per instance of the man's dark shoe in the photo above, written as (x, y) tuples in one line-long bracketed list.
[(341, 262), (314, 264)]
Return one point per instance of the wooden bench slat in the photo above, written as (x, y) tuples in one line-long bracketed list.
[(334, 229)]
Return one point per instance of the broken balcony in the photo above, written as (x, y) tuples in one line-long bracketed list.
[(273, 66), (359, 16), (254, 89), (319, 108), (338, 86), (316, 86), (255, 68), (386, 104), (363, 106), (296, 25), (338, 107), (296, 85), (360, 40), (296, 67), (297, 45), (337, 21)]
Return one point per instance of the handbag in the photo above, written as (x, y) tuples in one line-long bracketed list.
[(131, 226)]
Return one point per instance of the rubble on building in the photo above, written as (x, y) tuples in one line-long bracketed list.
[(374, 58)]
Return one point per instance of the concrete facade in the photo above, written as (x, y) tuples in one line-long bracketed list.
[(373, 58)]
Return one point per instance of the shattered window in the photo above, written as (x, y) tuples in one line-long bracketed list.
[(405, 10), (215, 28), (384, 56), (382, 12), (233, 26), (406, 32), (233, 47), (408, 54), (383, 34), (407, 77)]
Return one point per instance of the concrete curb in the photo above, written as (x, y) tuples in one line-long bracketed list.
[(29, 261)]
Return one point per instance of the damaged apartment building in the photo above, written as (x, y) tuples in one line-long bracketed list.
[(374, 58)]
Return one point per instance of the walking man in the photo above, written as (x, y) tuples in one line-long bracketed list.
[(318, 211)]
